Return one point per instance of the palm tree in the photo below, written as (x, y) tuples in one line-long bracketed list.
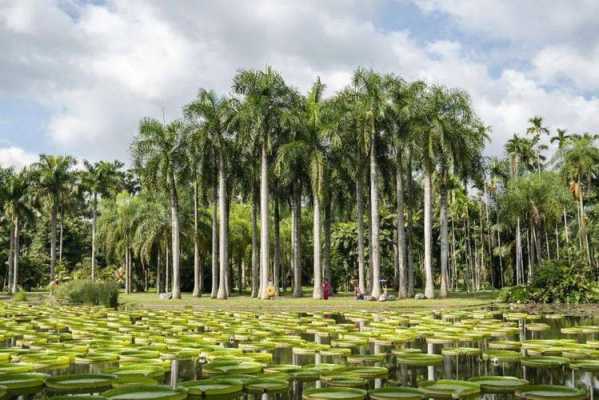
[(100, 179), (537, 130), (52, 176), (159, 156), (265, 96), (213, 115), (369, 86), (17, 208)]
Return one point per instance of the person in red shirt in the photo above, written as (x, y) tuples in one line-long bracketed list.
[(326, 289)]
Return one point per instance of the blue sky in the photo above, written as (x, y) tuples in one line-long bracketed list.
[(77, 76)]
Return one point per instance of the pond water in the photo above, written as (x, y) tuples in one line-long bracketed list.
[(57, 350)]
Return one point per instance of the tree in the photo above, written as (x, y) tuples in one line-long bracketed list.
[(100, 179), (52, 176), (369, 86), (159, 156), (17, 208), (537, 130), (264, 97)]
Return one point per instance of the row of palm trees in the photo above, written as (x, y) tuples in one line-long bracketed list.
[(266, 156), (268, 143)]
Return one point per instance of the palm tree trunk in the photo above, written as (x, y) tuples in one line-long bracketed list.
[(222, 223), (428, 233), (215, 250), (197, 278), (255, 250), (444, 235), (410, 215), (326, 250), (401, 233), (317, 289), (566, 227), (519, 261), (15, 275), (166, 268), (360, 223), (53, 213), (296, 221), (276, 261), (11, 257), (94, 221), (158, 272), (264, 230), (61, 236), (374, 211), (175, 232)]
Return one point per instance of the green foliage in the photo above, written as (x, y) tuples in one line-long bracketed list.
[(105, 293), (20, 296), (556, 282)]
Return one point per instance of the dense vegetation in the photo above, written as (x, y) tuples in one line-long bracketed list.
[(383, 184)]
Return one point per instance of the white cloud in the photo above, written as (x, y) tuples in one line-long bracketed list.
[(103, 70), (15, 157), (555, 64)]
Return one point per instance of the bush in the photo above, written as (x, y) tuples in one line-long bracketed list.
[(20, 296), (88, 292), (556, 282)]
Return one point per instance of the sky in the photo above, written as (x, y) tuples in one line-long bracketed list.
[(77, 76)]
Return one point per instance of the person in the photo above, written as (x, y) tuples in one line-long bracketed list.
[(357, 292), (326, 289)]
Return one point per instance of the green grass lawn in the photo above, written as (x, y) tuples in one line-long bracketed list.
[(285, 303)]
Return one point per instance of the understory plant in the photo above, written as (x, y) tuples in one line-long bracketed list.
[(105, 293)]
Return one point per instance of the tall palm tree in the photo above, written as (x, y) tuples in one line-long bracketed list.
[(369, 86), (52, 176), (537, 130), (17, 208), (159, 156), (264, 97), (100, 179), (213, 115)]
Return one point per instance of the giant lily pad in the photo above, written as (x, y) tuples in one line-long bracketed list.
[(145, 392), (449, 389), (334, 394), (213, 388), (83, 383), (499, 384), (396, 393), (551, 392), (27, 380)]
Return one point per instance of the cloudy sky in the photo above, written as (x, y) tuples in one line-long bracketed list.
[(76, 76)]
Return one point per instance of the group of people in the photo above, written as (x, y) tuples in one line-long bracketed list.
[(359, 295)]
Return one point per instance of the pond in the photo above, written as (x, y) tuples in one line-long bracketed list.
[(56, 351)]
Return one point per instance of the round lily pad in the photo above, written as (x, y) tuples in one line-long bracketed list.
[(499, 384), (334, 393), (586, 365), (27, 380), (419, 359), (213, 388), (81, 383), (268, 385), (396, 393), (344, 381), (544, 361), (551, 392), (145, 392), (449, 389)]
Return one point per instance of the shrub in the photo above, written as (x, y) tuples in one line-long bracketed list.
[(88, 292), (556, 282), (20, 296)]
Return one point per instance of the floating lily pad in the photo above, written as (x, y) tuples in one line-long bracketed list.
[(551, 392), (396, 393), (345, 381), (419, 359), (81, 383), (27, 380), (499, 384), (268, 385), (449, 389), (213, 388), (544, 361), (334, 394), (145, 392)]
